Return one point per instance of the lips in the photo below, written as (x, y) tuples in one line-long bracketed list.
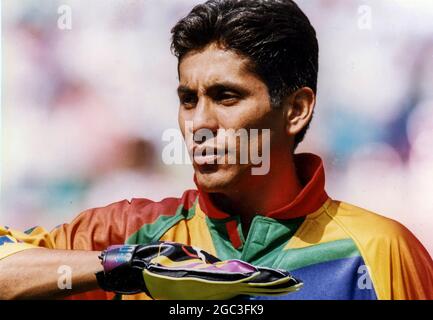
[(202, 160), (207, 154)]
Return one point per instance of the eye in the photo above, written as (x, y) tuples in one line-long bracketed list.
[(227, 98), (188, 101)]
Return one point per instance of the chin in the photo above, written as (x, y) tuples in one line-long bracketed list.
[(218, 180)]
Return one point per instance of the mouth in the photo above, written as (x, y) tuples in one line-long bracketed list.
[(207, 159), (207, 155)]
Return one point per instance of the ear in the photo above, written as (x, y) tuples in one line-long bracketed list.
[(300, 107)]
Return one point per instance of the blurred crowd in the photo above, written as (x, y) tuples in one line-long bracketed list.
[(83, 110)]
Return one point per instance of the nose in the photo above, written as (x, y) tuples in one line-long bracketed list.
[(205, 122)]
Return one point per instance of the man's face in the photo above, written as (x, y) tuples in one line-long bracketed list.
[(217, 93)]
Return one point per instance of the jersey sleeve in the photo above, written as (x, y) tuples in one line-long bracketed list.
[(93, 229), (12, 241), (410, 268)]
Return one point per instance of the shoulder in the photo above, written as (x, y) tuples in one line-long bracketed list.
[(401, 268), (145, 208), (365, 224), (117, 222), (167, 206), (382, 241)]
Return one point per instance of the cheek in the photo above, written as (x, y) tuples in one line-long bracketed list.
[(247, 114), (253, 115)]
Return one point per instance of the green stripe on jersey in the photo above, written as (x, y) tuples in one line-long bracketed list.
[(292, 259), (152, 232)]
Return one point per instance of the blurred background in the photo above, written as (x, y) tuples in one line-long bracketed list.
[(84, 108)]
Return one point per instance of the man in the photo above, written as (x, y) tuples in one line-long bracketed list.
[(242, 65)]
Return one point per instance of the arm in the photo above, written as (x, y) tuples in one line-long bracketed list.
[(30, 260), (35, 273)]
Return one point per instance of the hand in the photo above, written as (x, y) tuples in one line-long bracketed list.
[(167, 270)]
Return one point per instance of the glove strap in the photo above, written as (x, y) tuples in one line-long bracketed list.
[(120, 275), (116, 256)]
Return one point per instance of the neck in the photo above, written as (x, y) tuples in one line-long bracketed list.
[(261, 194)]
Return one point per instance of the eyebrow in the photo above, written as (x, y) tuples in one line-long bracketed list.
[(184, 90), (225, 85)]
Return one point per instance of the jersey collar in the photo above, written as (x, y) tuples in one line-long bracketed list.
[(311, 173)]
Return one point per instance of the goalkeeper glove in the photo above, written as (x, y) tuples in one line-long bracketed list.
[(173, 271)]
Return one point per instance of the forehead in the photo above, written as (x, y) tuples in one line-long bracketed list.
[(214, 64)]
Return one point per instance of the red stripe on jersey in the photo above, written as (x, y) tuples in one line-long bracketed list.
[(232, 230)]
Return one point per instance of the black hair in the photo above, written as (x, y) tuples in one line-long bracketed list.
[(275, 35)]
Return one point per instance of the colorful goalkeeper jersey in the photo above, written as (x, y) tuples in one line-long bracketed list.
[(338, 250)]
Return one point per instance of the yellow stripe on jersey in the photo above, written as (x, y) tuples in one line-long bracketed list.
[(193, 232)]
